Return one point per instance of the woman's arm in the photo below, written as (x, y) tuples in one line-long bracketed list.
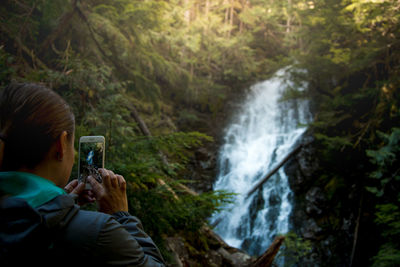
[(122, 241), (122, 234)]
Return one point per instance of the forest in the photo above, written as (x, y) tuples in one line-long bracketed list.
[(155, 78)]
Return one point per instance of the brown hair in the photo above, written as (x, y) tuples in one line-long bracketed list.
[(32, 117)]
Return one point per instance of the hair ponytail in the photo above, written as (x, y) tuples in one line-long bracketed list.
[(32, 117)]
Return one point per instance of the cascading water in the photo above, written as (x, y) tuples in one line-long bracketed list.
[(265, 130)]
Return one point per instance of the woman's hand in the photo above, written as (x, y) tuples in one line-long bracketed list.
[(111, 194), (84, 196)]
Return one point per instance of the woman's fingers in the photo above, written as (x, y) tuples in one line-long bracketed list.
[(86, 197), (97, 188), (121, 182), (110, 179), (106, 177), (113, 179), (113, 194), (74, 187), (78, 189), (69, 187)]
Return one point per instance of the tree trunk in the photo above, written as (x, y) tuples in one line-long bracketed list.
[(231, 10), (226, 11), (266, 259), (207, 8), (356, 230), (142, 125), (288, 21), (146, 132), (187, 11), (241, 22), (244, 7), (206, 11)]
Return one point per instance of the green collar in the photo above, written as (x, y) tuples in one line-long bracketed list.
[(32, 188)]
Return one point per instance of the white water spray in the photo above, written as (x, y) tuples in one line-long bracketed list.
[(265, 130)]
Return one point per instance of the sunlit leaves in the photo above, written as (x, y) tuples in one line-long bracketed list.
[(340, 56)]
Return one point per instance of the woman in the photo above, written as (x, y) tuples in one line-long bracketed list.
[(39, 221)]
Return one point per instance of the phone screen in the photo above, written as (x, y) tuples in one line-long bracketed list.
[(90, 159)]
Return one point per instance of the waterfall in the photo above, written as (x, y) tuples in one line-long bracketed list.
[(262, 133)]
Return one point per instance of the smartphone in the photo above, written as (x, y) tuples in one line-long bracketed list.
[(91, 158)]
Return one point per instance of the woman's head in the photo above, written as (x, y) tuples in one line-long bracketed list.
[(32, 120)]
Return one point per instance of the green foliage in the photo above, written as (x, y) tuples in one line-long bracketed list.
[(347, 50), (388, 256), (139, 161), (332, 143), (165, 215), (384, 184), (190, 57), (116, 55), (388, 217), (385, 159), (139, 157), (6, 70), (294, 249)]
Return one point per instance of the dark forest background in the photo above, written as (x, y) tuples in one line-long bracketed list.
[(154, 78)]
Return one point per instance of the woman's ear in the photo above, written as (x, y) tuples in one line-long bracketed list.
[(62, 145)]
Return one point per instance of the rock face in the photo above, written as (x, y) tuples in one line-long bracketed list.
[(216, 253), (315, 201), (312, 217), (202, 169)]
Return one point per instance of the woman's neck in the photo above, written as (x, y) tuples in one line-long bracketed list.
[(47, 170)]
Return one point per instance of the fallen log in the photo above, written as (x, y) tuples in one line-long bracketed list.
[(275, 169), (266, 259), (146, 132)]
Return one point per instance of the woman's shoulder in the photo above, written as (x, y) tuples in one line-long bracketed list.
[(70, 223)]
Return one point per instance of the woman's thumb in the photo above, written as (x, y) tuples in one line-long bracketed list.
[(78, 189)]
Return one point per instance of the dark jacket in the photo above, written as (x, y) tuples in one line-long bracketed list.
[(58, 232)]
